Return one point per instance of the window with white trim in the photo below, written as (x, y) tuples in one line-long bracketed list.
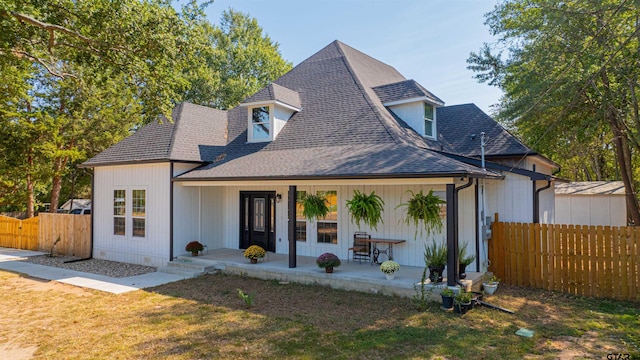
[(138, 212), (328, 225), (301, 221), (260, 124), (119, 212), (428, 120)]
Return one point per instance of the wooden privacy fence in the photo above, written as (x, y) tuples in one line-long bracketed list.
[(74, 232), (19, 234), (597, 261), (40, 233)]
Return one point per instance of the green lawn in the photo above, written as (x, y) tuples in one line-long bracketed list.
[(204, 318)]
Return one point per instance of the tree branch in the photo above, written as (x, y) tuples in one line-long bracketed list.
[(61, 75)]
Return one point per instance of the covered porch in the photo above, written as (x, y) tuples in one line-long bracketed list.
[(352, 276)]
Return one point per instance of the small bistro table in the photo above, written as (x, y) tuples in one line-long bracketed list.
[(377, 251)]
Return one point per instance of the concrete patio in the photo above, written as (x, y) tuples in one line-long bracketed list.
[(351, 275)]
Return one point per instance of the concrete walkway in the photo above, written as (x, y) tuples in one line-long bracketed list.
[(10, 261)]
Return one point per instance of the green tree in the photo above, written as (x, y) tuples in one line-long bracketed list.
[(570, 77), (80, 76)]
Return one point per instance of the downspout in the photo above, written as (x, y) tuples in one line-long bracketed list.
[(93, 209), (452, 241), (536, 201), (477, 190), (171, 211)]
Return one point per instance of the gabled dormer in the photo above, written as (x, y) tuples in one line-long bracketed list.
[(412, 103), (269, 110)]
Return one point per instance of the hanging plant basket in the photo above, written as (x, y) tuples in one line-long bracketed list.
[(315, 206), (366, 208), (423, 208)]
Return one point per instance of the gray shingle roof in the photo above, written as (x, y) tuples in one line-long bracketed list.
[(194, 132), (404, 90), (343, 129), (456, 125), (275, 92)]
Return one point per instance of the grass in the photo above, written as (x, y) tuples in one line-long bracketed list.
[(205, 318)]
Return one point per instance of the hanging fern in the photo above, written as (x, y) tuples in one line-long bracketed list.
[(425, 208), (315, 206), (366, 208)]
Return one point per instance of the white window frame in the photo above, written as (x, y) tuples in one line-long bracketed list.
[(139, 217), (250, 123), (432, 121), (128, 213), (119, 216), (336, 221)]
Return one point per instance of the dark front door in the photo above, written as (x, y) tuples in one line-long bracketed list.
[(258, 219)]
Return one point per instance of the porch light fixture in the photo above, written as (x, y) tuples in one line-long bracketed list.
[(278, 198)]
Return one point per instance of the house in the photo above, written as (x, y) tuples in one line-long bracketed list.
[(591, 203), (339, 121)]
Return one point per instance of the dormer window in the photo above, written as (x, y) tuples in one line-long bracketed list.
[(428, 120), (260, 124)]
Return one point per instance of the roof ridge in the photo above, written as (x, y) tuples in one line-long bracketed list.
[(394, 135), (175, 129)]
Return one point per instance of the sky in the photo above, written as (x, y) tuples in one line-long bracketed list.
[(428, 41)]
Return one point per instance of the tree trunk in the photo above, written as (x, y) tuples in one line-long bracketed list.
[(56, 183), (30, 196)]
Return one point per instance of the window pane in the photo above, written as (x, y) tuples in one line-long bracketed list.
[(260, 115), (299, 206), (428, 111), (272, 214), (261, 131), (138, 227), (246, 214), (332, 204), (119, 201), (428, 127), (327, 232), (118, 226), (301, 231), (258, 210), (139, 203)]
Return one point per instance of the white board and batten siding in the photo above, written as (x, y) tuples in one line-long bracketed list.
[(219, 207), (591, 203), (153, 248)]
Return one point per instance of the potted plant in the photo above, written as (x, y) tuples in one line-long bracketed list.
[(194, 248), (389, 268), (328, 261), (314, 206), (425, 208), (254, 252), (490, 283), (462, 302), (435, 257), (464, 260), (447, 298), (366, 208)]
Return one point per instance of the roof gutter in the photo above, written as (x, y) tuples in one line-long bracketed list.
[(481, 175)]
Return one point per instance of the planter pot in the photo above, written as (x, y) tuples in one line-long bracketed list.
[(447, 302), (433, 270), (462, 308), (462, 271), (390, 276), (254, 261), (328, 270), (194, 253), (490, 288)]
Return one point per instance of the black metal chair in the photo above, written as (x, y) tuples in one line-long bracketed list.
[(361, 250)]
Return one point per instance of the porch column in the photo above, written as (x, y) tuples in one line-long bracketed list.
[(292, 225), (452, 241)]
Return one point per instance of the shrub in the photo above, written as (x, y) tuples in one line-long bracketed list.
[(254, 252), (389, 267), (194, 247), (328, 260)]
